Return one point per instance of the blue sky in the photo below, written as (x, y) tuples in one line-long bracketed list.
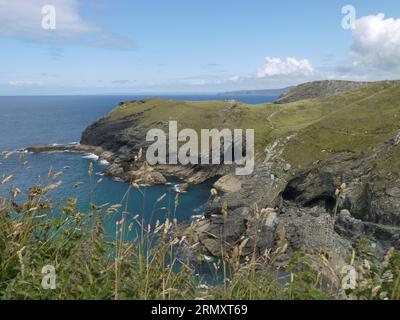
[(122, 46)]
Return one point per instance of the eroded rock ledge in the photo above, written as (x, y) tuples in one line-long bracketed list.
[(305, 150), (130, 169), (270, 201)]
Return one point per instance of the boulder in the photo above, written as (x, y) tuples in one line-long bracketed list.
[(218, 234), (115, 170), (144, 176), (183, 187), (287, 167), (107, 155), (228, 184), (271, 218)]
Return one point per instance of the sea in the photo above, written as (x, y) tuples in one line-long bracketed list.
[(34, 120)]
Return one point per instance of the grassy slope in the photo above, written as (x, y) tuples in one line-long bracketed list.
[(352, 122), (89, 265), (317, 89), (348, 122), (355, 122)]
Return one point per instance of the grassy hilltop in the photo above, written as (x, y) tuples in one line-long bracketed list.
[(346, 122), (324, 195), (318, 89), (350, 136)]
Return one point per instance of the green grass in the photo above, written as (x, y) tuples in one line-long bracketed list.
[(156, 264), (317, 89), (92, 266), (350, 122)]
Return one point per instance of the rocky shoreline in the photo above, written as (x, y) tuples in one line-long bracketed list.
[(239, 211), (291, 201), (131, 169)]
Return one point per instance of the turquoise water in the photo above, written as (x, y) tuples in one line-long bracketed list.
[(29, 121), (33, 170)]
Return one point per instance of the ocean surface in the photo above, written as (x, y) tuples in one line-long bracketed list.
[(29, 121)]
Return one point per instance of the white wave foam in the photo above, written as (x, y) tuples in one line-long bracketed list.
[(177, 190), (104, 162), (199, 209), (91, 156), (197, 217)]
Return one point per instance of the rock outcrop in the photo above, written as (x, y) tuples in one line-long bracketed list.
[(228, 184), (304, 152), (146, 175), (68, 148)]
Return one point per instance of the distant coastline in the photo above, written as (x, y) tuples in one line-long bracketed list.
[(263, 92)]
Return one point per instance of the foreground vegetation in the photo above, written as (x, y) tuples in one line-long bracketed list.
[(159, 261), (157, 264)]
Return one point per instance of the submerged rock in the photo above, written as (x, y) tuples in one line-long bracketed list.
[(183, 187)]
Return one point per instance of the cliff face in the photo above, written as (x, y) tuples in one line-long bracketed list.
[(304, 151)]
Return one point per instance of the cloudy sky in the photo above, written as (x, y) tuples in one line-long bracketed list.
[(137, 46)]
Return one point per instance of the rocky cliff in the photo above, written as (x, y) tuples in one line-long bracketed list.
[(327, 166)]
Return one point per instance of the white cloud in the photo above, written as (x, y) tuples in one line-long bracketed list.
[(289, 67), (376, 43), (23, 19), (234, 78), (25, 83), (275, 73)]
